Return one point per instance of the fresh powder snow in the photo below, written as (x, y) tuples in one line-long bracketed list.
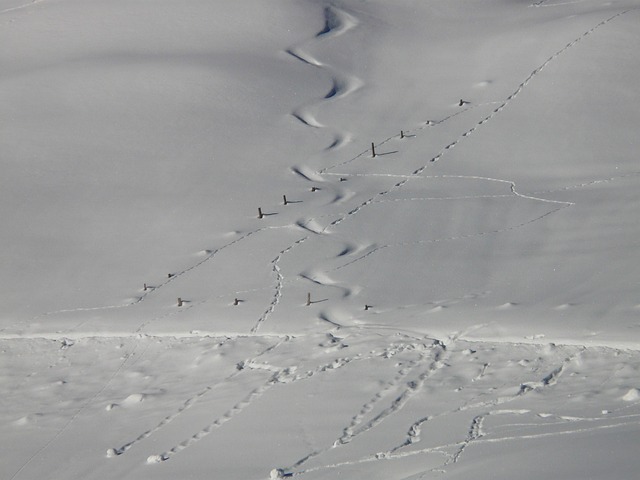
[(359, 239)]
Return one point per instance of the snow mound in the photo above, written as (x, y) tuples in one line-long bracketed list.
[(276, 473), (134, 399), (632, 395)]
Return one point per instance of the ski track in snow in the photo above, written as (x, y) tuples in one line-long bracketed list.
[(337, 23)]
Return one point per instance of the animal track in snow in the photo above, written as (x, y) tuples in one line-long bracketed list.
[(279, 284), (501, 106), (209, 255), (282, 376), (358, 426)]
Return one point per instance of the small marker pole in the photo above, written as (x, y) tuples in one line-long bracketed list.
[(373, 150), (367, 307), (260, 214), (179, 302), (169, 275), (236, 302), (308, 299), (284, 197), (401, 134), (145, 287)]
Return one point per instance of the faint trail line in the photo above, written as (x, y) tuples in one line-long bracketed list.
[(386, 175), (22, 7), (558, 433), (81, 409), (587, 184), (562, 205), (440, 449), (543, 3)]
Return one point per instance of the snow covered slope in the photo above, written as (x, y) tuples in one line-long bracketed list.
[(354, 239)]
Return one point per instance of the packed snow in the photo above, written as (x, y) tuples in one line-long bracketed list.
[(360, 239)]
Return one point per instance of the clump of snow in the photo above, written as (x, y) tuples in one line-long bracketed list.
[(28, 419), (151, 459), (112, 452), (133, 399), (632, 395), (276, 474)]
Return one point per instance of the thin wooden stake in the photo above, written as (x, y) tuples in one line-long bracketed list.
[(373, 150), (236, 302), (401, 134), (179, 302), (308, 299), (367, 307), (260, 214), (169, 275), (145, 287), (284, 197)]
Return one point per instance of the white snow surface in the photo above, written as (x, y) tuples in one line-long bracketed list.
[(461, 301)]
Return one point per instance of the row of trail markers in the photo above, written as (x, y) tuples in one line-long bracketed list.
[(237, 302), (181, 302), (285, 202), (373, 146)]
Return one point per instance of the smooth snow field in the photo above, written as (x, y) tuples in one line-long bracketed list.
[(355, 239)]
